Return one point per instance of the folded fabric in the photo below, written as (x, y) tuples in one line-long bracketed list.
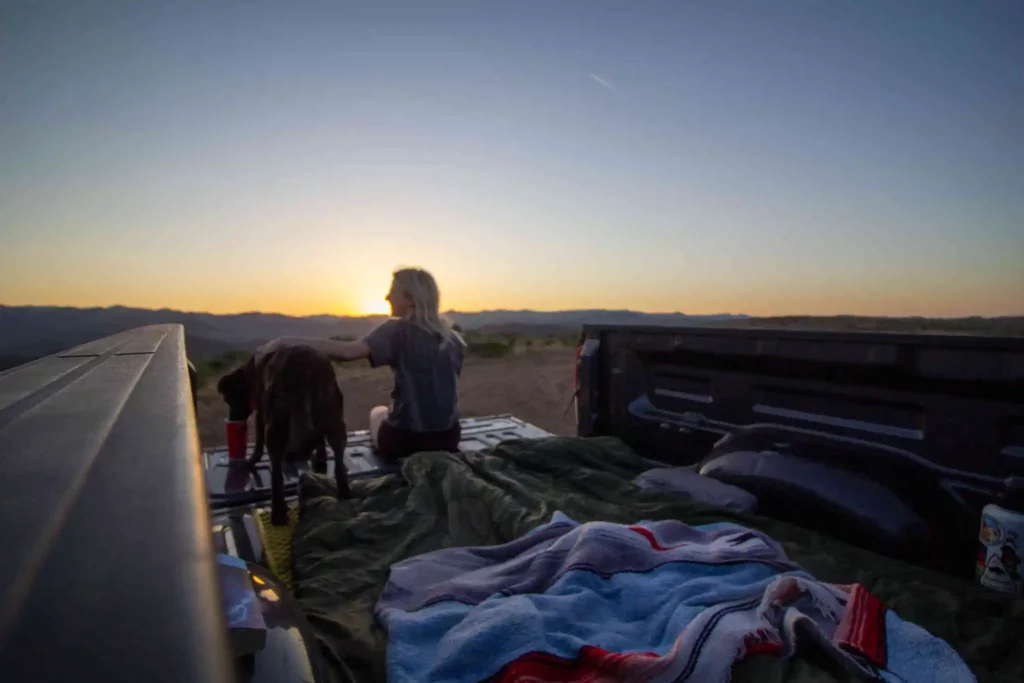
[(690, 484), (658, 601)]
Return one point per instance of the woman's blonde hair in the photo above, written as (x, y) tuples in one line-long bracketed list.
[(421, 287)]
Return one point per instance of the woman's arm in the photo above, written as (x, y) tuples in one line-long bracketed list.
[(333, 348)]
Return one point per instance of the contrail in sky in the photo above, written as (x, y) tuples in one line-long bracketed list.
[(604, 82)]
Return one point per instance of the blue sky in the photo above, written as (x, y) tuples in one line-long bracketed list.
[(760, 157)]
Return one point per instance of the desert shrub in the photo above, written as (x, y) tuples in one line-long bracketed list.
[(564, 339), (489, 345), (212, 367), (489, 348)]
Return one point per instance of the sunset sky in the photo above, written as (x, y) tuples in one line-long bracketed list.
[(789, 157)]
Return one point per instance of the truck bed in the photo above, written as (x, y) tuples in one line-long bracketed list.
[(114, 499)]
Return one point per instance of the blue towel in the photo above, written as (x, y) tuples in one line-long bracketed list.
[(919, 651), (655, 601)]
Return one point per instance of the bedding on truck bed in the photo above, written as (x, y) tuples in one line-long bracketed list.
[(343, 550)]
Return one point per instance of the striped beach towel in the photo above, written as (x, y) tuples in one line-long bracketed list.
[(654, 601)]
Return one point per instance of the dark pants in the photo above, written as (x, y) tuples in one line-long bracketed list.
[(394, 442)]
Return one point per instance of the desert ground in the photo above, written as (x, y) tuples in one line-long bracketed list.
[(529, 372), (534, 385)]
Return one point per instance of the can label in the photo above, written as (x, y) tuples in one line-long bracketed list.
[(998, 565)]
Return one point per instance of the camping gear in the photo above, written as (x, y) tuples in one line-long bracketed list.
[(1001, 540)]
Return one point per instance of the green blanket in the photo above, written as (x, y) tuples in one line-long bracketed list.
[(342, 549)]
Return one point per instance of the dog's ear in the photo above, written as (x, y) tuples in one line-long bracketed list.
[(224, 385)]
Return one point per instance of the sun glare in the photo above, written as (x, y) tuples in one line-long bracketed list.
[(376, 307)]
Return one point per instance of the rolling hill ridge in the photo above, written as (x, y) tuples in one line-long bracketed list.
[(29, 332)]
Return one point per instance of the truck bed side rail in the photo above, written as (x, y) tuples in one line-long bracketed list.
[(108, 571), (954, 401)]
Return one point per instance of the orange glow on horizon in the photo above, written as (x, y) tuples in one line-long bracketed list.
[(375, 307), (320, 283)]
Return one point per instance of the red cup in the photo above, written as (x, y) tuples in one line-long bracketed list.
[(237, 433)]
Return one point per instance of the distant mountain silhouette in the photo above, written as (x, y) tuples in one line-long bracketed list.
[(573, 319), (30, 332)]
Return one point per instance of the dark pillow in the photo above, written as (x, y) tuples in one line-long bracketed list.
[(687, 483), (836, 501)]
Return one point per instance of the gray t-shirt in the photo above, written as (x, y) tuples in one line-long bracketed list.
[(426, 396)]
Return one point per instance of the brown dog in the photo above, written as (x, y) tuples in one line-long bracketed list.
[(298, 406)]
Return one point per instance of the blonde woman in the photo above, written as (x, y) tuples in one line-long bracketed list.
[(425, 355)]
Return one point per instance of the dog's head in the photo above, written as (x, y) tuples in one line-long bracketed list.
[(236, 390)]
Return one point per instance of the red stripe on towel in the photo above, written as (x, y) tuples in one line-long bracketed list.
[(592, 664), (862, 628), (649, 535), (763, 641)]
